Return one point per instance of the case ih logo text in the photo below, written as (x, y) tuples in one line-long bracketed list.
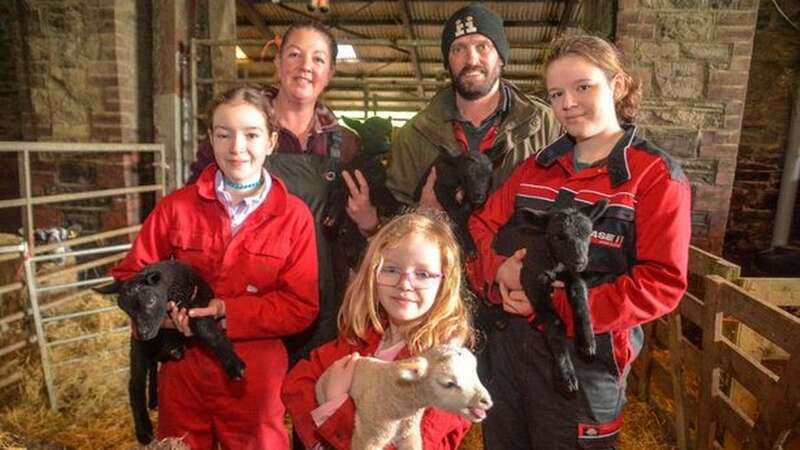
[(607, 239)]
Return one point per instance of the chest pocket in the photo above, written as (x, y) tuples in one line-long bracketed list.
[(613, 249), (265, 260), (195, 248)]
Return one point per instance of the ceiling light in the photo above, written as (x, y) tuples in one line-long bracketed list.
[(240, 54), (345, 52)]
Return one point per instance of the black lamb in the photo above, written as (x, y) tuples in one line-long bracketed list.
[(144, 298), (469, 174), (558, 253), (371, 161)]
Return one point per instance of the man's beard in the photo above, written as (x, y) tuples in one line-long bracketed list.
[(474, 91)]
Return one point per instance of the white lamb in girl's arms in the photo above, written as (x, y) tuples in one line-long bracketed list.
[(391, 397)]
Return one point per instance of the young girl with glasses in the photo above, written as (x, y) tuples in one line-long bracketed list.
[(405, 298)]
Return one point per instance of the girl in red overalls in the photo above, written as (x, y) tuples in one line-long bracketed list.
[(638, 257), (253, 242)]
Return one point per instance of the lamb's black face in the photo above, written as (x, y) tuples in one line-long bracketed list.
[(477, 169), (144, 299), (569, 236)]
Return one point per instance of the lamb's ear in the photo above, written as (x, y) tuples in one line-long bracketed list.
[(412, 369), (152, 278), (450, 160), (595, 211), (112, 288), (533, 216), (354, 124)]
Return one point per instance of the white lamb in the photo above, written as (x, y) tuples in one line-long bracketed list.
[(391, 397)]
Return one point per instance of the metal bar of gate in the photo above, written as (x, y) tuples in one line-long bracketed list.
[(91, 282), (85, 337), (87, 238), (91, 251), (83, 147), (80, 314), (44, 354), (4, 321), (30, 201), (193, 84)]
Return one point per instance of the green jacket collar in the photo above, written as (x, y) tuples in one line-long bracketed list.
[(434, 121)]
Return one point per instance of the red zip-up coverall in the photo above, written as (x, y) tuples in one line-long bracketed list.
[(440, 430), (267, 276), (637, 270)]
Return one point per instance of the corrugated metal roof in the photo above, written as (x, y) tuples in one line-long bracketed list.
[(388, 72)]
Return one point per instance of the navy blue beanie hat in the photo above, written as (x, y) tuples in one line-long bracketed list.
[(474, 19)]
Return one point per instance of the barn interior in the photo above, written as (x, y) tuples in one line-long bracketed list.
[(104, 110)]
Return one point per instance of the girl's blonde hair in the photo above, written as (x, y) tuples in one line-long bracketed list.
[(608, 58), (447, 321)]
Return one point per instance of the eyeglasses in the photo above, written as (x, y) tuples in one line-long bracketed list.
[(419, 279)]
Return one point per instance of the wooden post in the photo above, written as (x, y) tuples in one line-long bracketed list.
[(676, 374), (782, 410), (712, 331), (646, 359), (221, 26)]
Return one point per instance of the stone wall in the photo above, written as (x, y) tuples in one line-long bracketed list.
[(82, 76), (693, 57), (774, 76)]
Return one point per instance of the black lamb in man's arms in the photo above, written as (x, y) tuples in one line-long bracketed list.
[(557, 249), (462, 185), (144, 298)]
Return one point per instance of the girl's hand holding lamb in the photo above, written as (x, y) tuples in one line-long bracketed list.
[(178, 318), (337, 379)]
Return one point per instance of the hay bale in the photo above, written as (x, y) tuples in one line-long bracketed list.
[(474, 439), (94, 410), (9, 441), (10, 239), (643, 429)]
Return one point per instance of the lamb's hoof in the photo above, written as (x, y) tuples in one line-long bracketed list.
[(566, 384), (587, 349), (567, 388), (144, 433), (234, 368), (176, 354)]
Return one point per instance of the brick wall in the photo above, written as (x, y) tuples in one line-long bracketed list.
[(693, 58), (774, 76), (80, 68), (9, 113), (10, 129)]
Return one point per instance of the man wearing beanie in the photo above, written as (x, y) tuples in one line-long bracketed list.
[(478, 112)]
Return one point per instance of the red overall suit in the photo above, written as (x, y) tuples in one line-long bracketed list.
[(267, 276)]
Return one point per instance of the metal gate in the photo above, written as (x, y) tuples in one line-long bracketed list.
[(31, 254)]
